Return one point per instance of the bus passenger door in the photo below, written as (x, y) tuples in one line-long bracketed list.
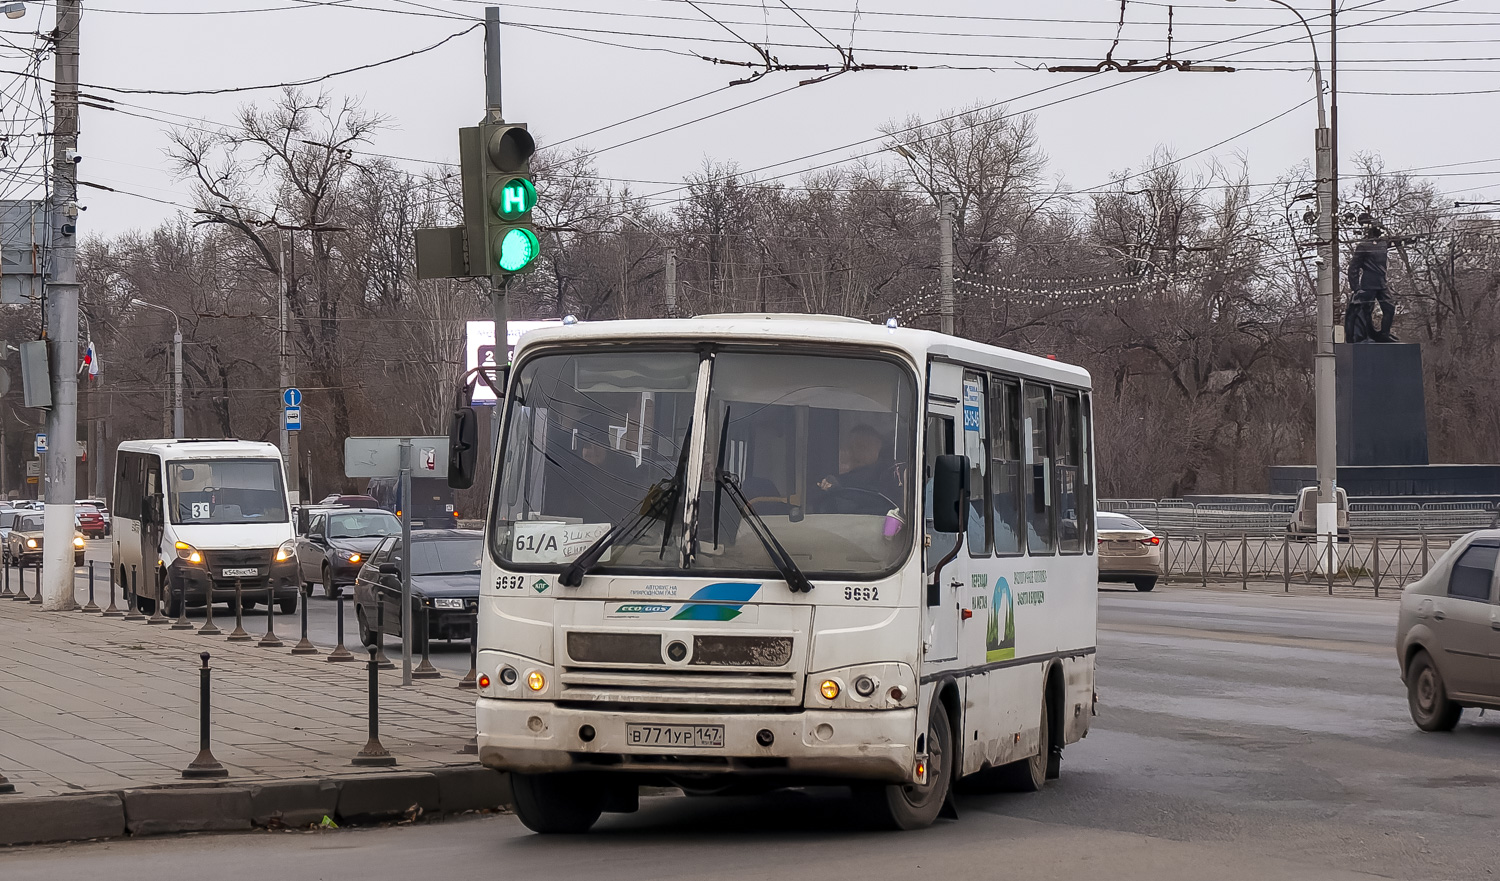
[(941, 615)]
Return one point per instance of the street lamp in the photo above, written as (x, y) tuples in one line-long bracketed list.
[(178, 428), (1325, 426)]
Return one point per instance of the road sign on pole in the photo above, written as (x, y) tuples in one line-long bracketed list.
[(293, 418), (292, 398), (41, 443)]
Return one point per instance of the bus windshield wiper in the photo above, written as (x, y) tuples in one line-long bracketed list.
[(783, 561), (659, 503)]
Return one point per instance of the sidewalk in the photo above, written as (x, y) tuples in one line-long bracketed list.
[(90, 704)]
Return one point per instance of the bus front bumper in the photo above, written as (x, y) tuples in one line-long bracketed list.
[(540, 737)]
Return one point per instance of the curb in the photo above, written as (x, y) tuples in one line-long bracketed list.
[(348, 799)]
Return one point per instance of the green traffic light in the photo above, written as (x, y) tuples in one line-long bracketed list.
[(518, 247), (514, 198)]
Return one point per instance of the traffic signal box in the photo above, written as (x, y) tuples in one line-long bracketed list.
[(499, 195)]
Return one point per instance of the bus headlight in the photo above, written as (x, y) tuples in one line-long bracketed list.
[(189, 553), (287, 551), (863, 687)]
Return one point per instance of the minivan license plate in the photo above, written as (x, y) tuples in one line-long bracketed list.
[(241, 573), (698, 736)]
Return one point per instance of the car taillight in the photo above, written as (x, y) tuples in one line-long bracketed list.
[(1153, 540)]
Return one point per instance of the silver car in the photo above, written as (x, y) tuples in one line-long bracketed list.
[(1448, 635), (1128, 551)]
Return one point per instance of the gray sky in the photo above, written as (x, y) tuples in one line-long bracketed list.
[(563, 85)]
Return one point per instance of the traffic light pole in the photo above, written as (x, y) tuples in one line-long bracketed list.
[(492, 113), (56, 585)]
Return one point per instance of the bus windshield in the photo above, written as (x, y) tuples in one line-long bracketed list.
[(202, 491), (817, 447)]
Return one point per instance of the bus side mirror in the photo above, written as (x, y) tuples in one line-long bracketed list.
[(463, 448), (950, 494)]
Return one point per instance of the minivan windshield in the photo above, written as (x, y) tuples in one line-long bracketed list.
[(203, 491), (817, 446)]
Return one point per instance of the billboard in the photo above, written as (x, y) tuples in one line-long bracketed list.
[(480, 348)]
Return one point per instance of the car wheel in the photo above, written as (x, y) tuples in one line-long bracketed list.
[(366, 635), (330, 589), (557, 804), (1145, 584), (287, 605), (1428, 696), (908, 805)]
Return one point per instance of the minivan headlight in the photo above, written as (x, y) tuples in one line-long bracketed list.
[(287, 550), (189, 553)]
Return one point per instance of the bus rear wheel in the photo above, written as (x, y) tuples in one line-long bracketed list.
[(557, 804), (905, 806)]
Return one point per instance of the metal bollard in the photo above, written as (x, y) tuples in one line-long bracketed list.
[(305, 646), (1244, 561), (158, 614), (340, 653), (205, 765), (6, 786), (5, 592), (21, 596), (113, 611), (133, 604), (374, 754), (425, 670), (208, 628), (270, 640), (385, 663), (239, 634), (92, 606), (182, 623), (471, 679), (1203, 546), (1286, 564), (1328, 569)]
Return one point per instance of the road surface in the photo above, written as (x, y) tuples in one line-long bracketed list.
[(1239, 736)]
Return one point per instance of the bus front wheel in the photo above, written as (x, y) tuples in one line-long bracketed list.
[(915, 806), (554, 804)]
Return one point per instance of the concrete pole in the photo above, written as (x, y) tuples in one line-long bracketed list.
[(671, 276), (285, 377), (1325, 425), (945, 236), (179, 422), (62, 323), (406, 613)]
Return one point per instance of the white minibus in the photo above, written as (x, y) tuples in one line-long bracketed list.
[(746, 551), (195, 518)]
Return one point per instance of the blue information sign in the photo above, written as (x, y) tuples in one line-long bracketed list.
[(292, 397)]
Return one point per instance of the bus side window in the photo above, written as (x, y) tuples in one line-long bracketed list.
[(1071, 518), (976, 447), (939, 443), (1005, 465), (1040, 526)]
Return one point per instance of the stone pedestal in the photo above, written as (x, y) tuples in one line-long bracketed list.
[(1382, 414)]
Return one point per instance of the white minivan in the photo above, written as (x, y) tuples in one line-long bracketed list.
[(195, 518)]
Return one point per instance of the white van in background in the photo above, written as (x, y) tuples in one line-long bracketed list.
[(193, 518)]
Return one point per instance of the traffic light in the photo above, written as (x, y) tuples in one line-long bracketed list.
[(510, 241)]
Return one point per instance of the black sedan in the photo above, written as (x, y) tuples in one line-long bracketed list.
[(444, 584)]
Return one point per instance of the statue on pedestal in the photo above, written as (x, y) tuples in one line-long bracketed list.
[(1367, 287)]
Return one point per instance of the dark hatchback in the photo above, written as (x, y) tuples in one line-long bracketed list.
[(444, 583)]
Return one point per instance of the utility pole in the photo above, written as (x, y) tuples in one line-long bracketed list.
[(288, 373), (492, 113), (179, 420), (62, 322), (945, 234), (671, 276)]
